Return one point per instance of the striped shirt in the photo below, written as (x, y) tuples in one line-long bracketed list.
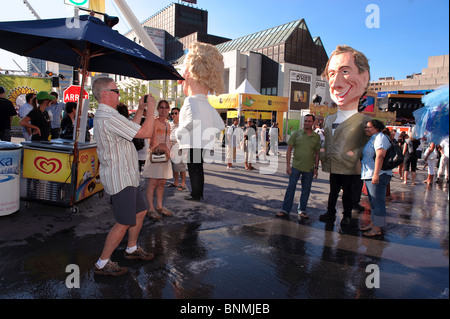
[(116, 152)]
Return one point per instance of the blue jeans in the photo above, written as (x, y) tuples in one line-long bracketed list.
[(377, 198), (306, 180)]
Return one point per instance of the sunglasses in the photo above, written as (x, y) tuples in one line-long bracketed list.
[(174, 113), (114, 90)]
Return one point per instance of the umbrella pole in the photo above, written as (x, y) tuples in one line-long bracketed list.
[(85, 61)]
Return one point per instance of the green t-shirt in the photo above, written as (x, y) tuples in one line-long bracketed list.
[(304, 147)]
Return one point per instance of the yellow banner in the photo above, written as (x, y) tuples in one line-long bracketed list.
[(224, 101), (48, 166), (97, 5), (250, 102), (265, 103)]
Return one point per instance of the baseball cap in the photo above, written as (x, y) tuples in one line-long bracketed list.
[(43, 95)]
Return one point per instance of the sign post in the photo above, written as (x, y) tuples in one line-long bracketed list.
[(84, 4)]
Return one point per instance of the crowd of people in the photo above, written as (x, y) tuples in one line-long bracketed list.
[(350, 146), (42, 117)]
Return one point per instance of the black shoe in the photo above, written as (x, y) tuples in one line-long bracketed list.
[(345, 221), (359, 208), (327, 217), (195, 199)]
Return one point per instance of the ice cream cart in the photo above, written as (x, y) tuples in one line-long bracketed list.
[(50, 176)]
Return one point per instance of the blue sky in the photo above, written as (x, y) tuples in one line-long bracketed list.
[(409, 31)]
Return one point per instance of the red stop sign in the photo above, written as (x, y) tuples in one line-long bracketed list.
[(72, 94)]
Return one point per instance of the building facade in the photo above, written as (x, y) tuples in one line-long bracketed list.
[(435, 75)]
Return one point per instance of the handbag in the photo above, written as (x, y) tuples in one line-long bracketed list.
[(159, 156)]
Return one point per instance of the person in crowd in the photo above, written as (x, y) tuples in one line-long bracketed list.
[(68, 121), (142, 145), (264, 137), (178, 162), (7, 112), (122, 108), (306, 145), (199, 121), (443, 163), (158, 173), (375, 179), (232, 141), (55, 110), (401, 141), (30, 103), (119, 172), (410, 159), (319, 130), (430, 159), (273, 137), (250, 143), (348, 74), (38, 119)]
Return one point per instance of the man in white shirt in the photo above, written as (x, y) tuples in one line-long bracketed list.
[(232, 141), (119, 172)]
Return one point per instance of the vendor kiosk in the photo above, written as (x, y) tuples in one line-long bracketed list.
[(50, 176)]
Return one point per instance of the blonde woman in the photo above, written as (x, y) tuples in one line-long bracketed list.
[(158, 173), (199, 121)]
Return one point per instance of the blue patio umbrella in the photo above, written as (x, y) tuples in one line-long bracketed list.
[(432, 119), (86, 43)]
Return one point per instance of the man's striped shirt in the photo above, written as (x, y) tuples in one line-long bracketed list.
[(117, 154)]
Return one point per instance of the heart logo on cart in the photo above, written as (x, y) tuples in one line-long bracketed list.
[(48, 166)]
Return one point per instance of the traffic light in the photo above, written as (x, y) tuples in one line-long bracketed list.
[(110, 21)]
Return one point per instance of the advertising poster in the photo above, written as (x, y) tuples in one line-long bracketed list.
[(48, 166), (300, 90), (88, 179), (321, 88), (18, 87)]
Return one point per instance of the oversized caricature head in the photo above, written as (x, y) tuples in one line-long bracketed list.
[(348, 74), (204, 65)]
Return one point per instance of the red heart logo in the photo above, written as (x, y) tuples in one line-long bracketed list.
[(47, 165)]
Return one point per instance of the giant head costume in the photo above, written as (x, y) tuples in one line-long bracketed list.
[(348, 74)]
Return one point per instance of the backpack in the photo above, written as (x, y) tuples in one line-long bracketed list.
[(394, 157)]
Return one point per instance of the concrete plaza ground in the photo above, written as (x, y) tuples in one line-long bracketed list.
[(231, 246)]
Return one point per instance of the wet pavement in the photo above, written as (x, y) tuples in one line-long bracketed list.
[(231, 246)]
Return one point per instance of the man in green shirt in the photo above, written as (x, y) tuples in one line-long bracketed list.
[(306, 145)]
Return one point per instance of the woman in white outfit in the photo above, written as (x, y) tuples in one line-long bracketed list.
[(430, 159)]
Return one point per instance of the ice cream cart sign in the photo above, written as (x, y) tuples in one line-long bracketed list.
[(49, 166), (88, 179)]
